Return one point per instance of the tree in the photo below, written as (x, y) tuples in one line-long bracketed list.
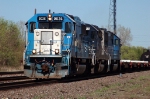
[(131, 53), (10, 43), (21, 27), (149, 47), (125, 35)]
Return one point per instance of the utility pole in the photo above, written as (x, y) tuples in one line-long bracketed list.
[(112, 16)]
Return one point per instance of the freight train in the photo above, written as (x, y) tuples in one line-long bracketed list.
[(59, 45), (142, 64)]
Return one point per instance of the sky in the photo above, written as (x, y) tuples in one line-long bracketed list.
[(133, 14)]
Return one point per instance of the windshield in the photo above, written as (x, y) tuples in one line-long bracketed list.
[(50, 25)]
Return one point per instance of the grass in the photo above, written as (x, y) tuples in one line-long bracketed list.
[(133, 96), (143, 78), (101, 91), (147, 88), (82, 98), (135, 88), (38, 97)]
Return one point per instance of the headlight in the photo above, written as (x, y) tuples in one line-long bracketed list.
[(56, 33), (34, 51), (49, 17), (56, 51)]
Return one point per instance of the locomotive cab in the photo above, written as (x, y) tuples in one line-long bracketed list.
[(48, 45)]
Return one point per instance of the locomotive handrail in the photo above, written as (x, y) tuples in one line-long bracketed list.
[(26, 47), (109, 60), (45, 55)]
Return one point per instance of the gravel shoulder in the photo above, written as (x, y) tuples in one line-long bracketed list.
[(130, 86)]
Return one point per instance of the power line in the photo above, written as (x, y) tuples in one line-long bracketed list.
[(140, 35), (141, 41)]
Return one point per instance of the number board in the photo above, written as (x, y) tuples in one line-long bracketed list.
[(58, 18), (42, 18)]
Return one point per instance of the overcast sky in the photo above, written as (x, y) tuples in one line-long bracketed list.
[(133, 14)]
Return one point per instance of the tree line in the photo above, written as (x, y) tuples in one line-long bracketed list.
[(132, 52), (11, 43)]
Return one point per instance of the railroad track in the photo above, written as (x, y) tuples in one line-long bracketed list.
[(32, 82), (14, 72), (78, 78), (13, 78), (14, 81), (26, 82)]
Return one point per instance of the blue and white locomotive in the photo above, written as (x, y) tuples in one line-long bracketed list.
[(60, 45)]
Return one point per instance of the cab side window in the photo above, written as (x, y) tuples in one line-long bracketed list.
[(116, 42), (92, 34), (32, 26), (68, 27), (83, 29)]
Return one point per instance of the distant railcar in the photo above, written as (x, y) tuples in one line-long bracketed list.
[(145, 56)]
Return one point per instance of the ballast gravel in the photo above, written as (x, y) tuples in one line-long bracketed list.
[(70, 90)]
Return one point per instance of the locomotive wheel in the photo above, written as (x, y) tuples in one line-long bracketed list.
[(38, 79), (73, 66), (88, 68), (96, 68), (101, 68)]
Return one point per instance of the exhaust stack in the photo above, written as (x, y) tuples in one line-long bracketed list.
[(34, 11)]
